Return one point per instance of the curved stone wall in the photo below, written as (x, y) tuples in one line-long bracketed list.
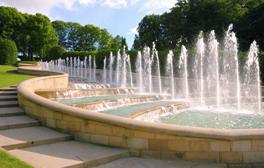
[(142, 139)]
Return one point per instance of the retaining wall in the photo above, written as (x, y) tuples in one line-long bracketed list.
[(142, 139)]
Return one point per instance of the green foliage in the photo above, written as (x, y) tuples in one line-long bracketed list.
[(60, 28), (55, 52), (10, 21), (8, 52), (250, 27), (89, 37)]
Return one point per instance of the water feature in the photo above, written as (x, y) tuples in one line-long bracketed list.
[(111, 63), (211, 71), (169, 72), (104, 71), (183, 69), (94, 70)]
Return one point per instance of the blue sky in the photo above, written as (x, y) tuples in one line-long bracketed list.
[(119, 17)]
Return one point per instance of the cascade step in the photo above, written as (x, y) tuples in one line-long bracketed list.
[(8, 97), (30, 136), (8, 89), (134, 162), (17, 122), (8, 104), (8, 92), (11, 111), (68, 154)]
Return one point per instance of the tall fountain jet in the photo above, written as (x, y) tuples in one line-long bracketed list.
[(213, 67), (94, 70), (118, 66), (90, 68), (183, 68), (230, 63), (155, 61), (104, 72), (111, 63), (252, 74), (139, 72), (199, 64), (169, 71)]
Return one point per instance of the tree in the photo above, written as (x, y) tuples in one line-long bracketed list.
[(89, 37), (10, 21), (73, 34), (38, 33), (250, 27), (136, 44), (184, 22), (149, 31), (60, 27), (55, 52), (8, 52), (105, 39)]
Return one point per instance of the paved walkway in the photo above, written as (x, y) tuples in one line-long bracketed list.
[(41, 147)]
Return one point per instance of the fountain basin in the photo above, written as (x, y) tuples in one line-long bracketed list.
[(144, 139)]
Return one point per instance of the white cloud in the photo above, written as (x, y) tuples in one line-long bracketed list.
[(133, 31), (44, 6), (133, 2), (152, 5), (115, 3)]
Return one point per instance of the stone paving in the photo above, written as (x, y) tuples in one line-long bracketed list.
[(42, 147)]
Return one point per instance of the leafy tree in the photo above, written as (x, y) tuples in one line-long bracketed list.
[(149, 31), (55, 52), (73, 34), (105, 39), (118, 42), (250, 27), (60, 27), (38, 33), (184, 22), (89, 36), (10, 22), (8, 52)]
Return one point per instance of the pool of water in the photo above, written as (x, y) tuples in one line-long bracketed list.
[(226, 117), (127, 109), (93, 98)]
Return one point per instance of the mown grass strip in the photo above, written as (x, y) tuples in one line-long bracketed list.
[(7, 79)]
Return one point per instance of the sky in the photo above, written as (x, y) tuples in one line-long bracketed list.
[(119, 17)]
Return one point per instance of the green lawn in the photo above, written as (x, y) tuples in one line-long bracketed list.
[(8, 161), (7, 79)]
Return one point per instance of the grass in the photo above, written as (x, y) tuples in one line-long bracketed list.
[(8, 161), (7, 79)]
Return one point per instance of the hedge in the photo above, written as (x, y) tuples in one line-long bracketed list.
[(8, 52)]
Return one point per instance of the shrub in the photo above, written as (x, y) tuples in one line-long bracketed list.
[(55, 52), (8, 52)]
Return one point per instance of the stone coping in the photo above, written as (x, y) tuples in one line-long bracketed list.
[(26, 90)]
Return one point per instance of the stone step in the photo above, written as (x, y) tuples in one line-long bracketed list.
[(30, 136), (8, 104), (11, 111), (17, 122), (8, 92), (68, 154), (13, 86), (134, 162), (8, 97), (8, 89)]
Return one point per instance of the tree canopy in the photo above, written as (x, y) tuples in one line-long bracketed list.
[(187, 18)]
